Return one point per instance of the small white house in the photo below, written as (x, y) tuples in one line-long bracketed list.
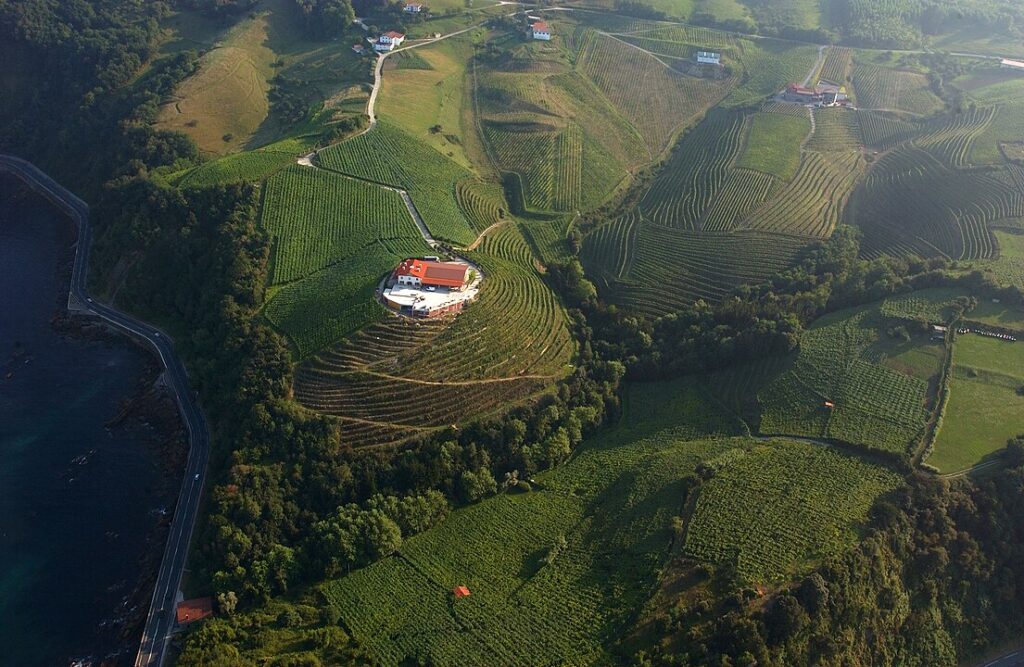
[(1012, 64), (413, 8), (709, 58), (388, 41), (540, 30)]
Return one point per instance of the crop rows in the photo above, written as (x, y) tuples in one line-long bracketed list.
[(784, 108), (672, 268), (754, 511), (654, 98), (931, 305), (317, 218), (812, 204), (836, 129), (249, 166), (389, 155), (951, 138), (836, 68), (531, 155), (568, 169), (743, 191), (483, 203), (548, 237), (1007, 125), (883, 130), (705, 38), (768, 66), (873, 405), (688, 183), (609, 249), (913, 203), (883, 88), (661, 47)]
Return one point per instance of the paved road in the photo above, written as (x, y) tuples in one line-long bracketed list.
[(1014, 659), (160, 620)]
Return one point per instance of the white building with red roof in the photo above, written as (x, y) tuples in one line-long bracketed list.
[(388, 41), (428, 287), (540, 30)]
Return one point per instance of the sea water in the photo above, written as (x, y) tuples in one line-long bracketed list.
[(78, 501)]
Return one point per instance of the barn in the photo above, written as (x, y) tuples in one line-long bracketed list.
[(431, 273)]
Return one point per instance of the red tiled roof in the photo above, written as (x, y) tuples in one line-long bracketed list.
[(442, 274), (540, 26), (193, 610), (394, 34), (460, 592)]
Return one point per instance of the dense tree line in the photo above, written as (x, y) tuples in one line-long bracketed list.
[(324, 19)]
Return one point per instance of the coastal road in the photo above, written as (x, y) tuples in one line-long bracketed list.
[(161, 618)]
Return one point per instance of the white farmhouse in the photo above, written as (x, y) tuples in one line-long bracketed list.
[(388, 41), (540, 30), (413, 8)]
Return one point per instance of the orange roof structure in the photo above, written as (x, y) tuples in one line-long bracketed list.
[(829, 404), (441, 274), (193, 610), (460, 592)]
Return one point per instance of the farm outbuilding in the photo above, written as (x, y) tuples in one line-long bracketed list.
[(540, 30), (431, 273), (709, 58), (460, 592), (1006, 63)]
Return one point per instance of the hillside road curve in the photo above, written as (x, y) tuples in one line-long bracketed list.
[(161, 618)]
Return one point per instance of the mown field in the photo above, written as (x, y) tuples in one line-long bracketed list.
[(986, 404), (557, 573)]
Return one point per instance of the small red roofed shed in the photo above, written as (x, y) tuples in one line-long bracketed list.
[(829, 404), (193, 610), (460, 592)]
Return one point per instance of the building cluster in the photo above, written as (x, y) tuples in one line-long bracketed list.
[(822, 95), (428, 287)]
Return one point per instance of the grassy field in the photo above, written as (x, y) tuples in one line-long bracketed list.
[(985, 406), (773, 144), (427, 101), (997, 315), (556, 574)]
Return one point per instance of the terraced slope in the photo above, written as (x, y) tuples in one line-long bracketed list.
[(915, 203), (400, 377), (894, 90)]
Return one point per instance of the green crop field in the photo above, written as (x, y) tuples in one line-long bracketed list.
[(557, 573), (884, 130), (250, 166), (914, 203), (844, 359), (1007, 126), (333, 238), (755, 498), (768, 66), (985, 406), (401, 377), (391, 156), (1009, 267), (930, 305), (894, 90), (836, 67), (836, 129), (773, 144), (997, 315)]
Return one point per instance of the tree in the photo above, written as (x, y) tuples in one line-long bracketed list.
[(382, 536), (227, 602), (474, 486)]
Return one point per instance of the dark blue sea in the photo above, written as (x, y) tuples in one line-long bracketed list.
[(80, 503)]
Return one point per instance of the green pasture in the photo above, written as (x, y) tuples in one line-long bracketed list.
[(773, 144)]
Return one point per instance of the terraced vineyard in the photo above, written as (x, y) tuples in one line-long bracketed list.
[(813, 203), (531, 154), (884, 130), (657, 102), (509, 344), (390, 156), (892, 89), (839, 361), (836, 129), (556, 574), (751, 511), (317, 218), (333, 238), (913, 203), (667, 268), (836, 68), (950, 138), (768, 66)]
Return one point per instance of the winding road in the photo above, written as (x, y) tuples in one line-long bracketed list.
[(160, 620)]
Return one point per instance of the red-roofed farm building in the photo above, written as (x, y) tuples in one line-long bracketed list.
[(428, 287)]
